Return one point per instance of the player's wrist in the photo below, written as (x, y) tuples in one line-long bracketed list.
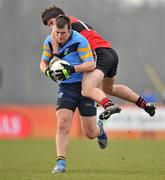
[(72, 69), (66, 74), (56, 55), (69, 68)]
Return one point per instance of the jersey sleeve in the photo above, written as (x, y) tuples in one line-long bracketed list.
[(47, 53), (84, 50)]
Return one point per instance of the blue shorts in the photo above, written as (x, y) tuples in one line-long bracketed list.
[(69, 97)]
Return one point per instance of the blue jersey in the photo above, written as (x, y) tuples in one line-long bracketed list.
[(75, 51)]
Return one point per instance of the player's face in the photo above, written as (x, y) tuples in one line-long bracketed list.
[(61, 34)]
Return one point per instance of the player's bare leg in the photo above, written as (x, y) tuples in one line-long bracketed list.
[(93, 130), (127, 94), (64, 119), (90, 88)]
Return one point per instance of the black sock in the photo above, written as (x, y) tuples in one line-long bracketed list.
[(60, 158), (141, 103)]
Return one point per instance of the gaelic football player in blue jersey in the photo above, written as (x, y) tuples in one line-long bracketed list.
[(74, 49)]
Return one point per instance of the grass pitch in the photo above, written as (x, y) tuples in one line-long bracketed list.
[(122, 160)]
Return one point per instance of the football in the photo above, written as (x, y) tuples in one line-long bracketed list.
[(56, 65)]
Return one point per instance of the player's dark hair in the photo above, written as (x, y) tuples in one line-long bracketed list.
[(51, 12), (62, 21)]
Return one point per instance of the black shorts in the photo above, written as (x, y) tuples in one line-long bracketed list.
[(69, 97), (107, 61)]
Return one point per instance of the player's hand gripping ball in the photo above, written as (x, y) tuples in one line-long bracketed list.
[(60, 72)]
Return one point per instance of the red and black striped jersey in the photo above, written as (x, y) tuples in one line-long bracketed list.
[(95, 40)]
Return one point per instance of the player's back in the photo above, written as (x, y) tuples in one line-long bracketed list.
[(89, 33)]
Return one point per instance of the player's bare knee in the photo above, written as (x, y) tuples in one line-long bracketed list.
[(86, 89), (108, 89), (90, 135), (63, 127), (85, 92)]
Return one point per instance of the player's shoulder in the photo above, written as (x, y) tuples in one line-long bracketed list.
[(77, 36), (75, 33), (73, 19), (47, 39)]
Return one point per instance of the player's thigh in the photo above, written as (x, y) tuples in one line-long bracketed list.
[(67, 102), (87, 107), (64, 119), (88, 124), (92, 79), (108, 83)]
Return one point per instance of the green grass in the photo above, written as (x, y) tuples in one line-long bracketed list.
[(122, 160)]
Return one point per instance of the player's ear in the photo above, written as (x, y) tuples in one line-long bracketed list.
[(69, 27)]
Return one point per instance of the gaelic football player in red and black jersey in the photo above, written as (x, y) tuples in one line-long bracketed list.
[(106, 68)]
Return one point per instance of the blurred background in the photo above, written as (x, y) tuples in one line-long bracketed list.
[(136, 29)]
